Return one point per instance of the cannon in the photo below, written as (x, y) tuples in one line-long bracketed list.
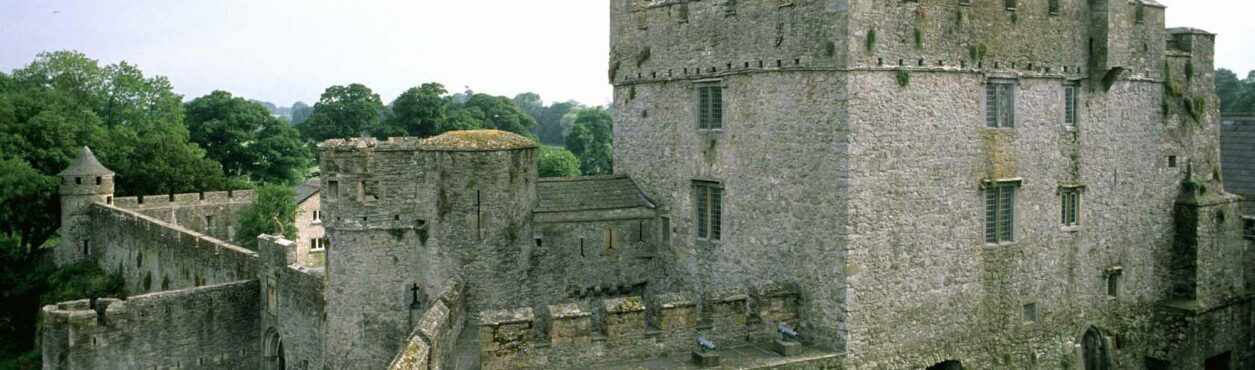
[(787, 345), (705, 344), (705, 358), (786, 332)]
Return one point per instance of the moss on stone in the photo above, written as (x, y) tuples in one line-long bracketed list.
[(871, 40), (903, 77), (474, 140), (919, 38)]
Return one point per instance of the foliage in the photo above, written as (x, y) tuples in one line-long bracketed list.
[(553, 122), (903, 77), (248, 141), (83, 280), (301, 112), (423, 111), (1236, 96), (558, 162), (871, 40), (592, 141), (275, 208), (343, 112), (63, 101), (499, 112)]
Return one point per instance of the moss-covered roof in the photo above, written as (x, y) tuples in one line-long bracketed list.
[(85, 164), (476, 140)]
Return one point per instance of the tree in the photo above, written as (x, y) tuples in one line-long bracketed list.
[(64, 100), (499, 112), (591, 139), (422, 111), (558, 162), (343, 112), (246, 139), (275, 208), (301, 112), (1236, 96)]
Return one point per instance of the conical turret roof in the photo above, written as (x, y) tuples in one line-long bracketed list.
[(85, 164)]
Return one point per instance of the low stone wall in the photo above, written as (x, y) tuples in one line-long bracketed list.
[(293, 304), (216, 214), (153, 255), (212, 327), (433, 340), (629, 329)]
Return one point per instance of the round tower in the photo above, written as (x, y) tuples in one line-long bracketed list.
[(84, 182)]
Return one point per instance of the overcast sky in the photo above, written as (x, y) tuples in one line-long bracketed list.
[(288, 50)]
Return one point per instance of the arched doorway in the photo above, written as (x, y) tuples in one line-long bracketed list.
[(1095, 351), (272, 351), (947, 365)]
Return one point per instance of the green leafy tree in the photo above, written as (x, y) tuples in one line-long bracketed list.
[(83, 280), (343, 112), (64, 100), (423, 111), (274, 212), (591, 139), (499, 112), (247, 140), (301, 112), (558, 162), (1236, 96)]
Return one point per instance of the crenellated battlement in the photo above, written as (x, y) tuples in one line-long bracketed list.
[(186, 199), (216, 327), (433, 339), (633, 328)]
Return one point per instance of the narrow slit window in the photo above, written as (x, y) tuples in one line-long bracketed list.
[(1071, 206), (1069, 103)]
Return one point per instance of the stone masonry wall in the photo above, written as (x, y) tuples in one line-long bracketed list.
[(594, 257), (215, 214), (433, 340), (213, 327), (153, 255), (307, 229), (292, 304), (397, 217), (577, 335)]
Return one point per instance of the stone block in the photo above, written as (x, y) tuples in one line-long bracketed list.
[(624, 317), (706, 359), (570, 324), (505, 332), (786, 348), (675, 311)]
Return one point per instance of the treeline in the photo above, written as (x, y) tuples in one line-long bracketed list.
[(1236, 95)]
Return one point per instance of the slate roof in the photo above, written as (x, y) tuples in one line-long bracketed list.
[(1237, 155), (567, 194), (306, 189), (85, 164)]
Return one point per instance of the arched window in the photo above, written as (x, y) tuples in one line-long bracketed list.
[(272, 351)]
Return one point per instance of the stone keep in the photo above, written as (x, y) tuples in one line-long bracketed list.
[(406, 212), (83, 183)]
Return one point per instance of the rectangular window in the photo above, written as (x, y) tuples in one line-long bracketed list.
[(665, 232), (317, 215), (1113, 284), (1000, 104), (1030, 312), (1071, 206), (729, 8), (1000, 212), (317, 244), (333, 190), (1054, 7), (209, 222), (708, 204), (710, 106), (1069, 103), (1248, 227)]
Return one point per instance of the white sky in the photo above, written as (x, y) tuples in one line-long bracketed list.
[(287, 50)]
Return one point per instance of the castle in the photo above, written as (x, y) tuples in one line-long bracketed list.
[(800, 184)]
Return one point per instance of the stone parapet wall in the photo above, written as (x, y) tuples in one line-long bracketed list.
[(187, 199), (432, 342), (630, 329), (153, 255), (213, 327)]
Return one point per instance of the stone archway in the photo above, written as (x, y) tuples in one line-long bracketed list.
[(272, 356), (1094, 350)]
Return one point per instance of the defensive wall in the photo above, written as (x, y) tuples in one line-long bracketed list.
[(153, 255), (212, 327), (211, 213), (631, 329), (434, 338), (293, 308)]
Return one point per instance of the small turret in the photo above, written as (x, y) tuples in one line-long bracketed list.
[(84, 182)]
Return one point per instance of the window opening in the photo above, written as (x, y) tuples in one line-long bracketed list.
[(1000, 212), (1071, 206), (1000, 104), (708, 207), (710, 106)]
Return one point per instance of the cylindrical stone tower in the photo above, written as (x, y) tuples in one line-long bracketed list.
[(84, 182)]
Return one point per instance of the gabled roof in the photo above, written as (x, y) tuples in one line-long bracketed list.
[(566, 194), (85, 164), (306, 189)]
